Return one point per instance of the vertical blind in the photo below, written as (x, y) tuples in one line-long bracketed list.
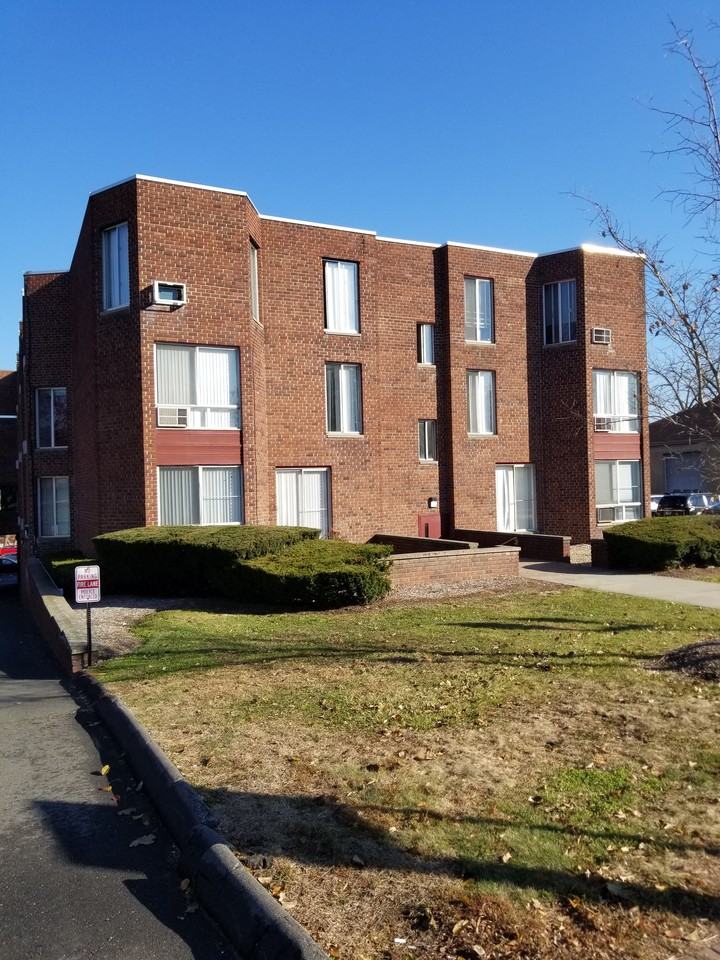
[(204, 495), (54, 506), (481, 401), (478, 309), (116, 268), (341, 296), (205, 379), (615, 396), (515, 496), (344, 403), (560, 311), (426, 343), (303, 499)]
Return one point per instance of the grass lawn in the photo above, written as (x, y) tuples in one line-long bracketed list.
[(498, 773)]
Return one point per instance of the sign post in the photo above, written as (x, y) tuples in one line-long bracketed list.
[(87, 591)]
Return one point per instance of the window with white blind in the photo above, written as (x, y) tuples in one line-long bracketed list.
[(54, 506), (427, 439), (254, 283), (479, 321), (426, 343), (51, 417), (343, 398), (615, 401), (197, 387), (116, 267), (618, 490), (200, 495), (342, 314), (303, 498), (515, 496), (560, 312), (481, 402)]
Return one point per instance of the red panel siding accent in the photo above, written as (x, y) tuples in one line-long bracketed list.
[(616, 446), (180, 448), (429, 525)]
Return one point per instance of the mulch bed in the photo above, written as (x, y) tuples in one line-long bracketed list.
[(698, 659)]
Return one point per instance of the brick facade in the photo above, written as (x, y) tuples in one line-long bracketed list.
[(200, 237)]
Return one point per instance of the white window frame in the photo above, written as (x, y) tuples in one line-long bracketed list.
[(300, 472), (493, 419), (478, 283), (620, 507), (52, 445), (203, 408), (515, 467), (199, 470), (560, 339), (254, 282), (427, 431), (330, 262), (41, 533), (426, 344), (617, 420), (344, 412), (115, 268)]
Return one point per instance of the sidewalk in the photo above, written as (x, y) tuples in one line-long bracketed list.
[(71, 886), (695, 592)]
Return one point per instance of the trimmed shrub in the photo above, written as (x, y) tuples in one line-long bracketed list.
[(320, 573), (662, 542), (62, 569), (178, 561)]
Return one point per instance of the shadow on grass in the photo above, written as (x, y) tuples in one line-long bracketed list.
[(322, 832)]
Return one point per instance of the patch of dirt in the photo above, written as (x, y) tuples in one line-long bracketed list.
[(698, 659), (431, 593), (709, 574)]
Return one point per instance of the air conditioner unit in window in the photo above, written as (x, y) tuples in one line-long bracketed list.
[(172, 416), (168, 294), (605, 514), (603, 424), (601, 335)]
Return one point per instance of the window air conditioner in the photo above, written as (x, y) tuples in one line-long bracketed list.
[(601, 335), (603, 424), (172, 416), (169, 294)]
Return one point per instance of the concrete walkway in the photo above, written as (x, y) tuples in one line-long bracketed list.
[(695, 592), (72, 886)]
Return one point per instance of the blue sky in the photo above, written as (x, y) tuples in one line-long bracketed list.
[(455, 120)]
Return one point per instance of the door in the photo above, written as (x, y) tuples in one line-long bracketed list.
[(429, 525), (303, 498)]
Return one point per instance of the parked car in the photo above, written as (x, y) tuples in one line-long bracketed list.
[(714, 508), (8, 571), (683, 504), (654, 501)]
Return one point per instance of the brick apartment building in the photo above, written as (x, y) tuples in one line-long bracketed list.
[(203, 363), (8, 455)]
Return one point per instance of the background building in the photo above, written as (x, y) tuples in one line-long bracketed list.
[(203, 363), (8, 455)]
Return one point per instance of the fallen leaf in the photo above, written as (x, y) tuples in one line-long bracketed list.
[(506, 857), (358, 861), (105, 789), (265, 881), (478, 950), (144, 841), (185, 883), (459, 925), (105, 769)]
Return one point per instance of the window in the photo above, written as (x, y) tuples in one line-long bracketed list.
[(515, 496), (303, 498), (54, 506), (199, 384), (254, 286), (343, 398), (200, 495), (479, 310), (51, 417), (481, 401), (615, 401), (116, 268), (618, 494), (426, 343), (341, 297), (427, 439), (560, 315)]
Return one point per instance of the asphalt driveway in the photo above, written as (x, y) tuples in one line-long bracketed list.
[(72, 887)]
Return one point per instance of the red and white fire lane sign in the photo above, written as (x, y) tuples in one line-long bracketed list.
[(87, 584)]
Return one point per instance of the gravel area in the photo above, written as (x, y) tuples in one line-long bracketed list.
[(580, 553)]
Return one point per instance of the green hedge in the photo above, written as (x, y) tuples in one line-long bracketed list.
[(662, 542), (62, 569), (185, 561), (321, 573)]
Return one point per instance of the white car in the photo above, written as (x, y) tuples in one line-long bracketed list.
[(654, 501)]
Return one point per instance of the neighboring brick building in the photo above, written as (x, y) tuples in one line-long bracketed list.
[(323, 375), (8, 455), (685, 451)]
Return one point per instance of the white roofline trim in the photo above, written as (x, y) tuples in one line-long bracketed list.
[(415, 243), (477, 246), (42, 273), (174, 183), (595, 248), (311, 223)]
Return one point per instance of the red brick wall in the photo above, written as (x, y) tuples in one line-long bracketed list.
[(418, 569)]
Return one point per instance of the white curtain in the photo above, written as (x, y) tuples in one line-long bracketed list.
[(504, 498), (302, 499), (602, 393), (341, 296), (351, 421), (628, 481), (287, 484), (524, 478), (178, 496), (478, 309), (481, 402), (175, 374), (604, 486), (427, 343), (470, 309), (221, 495), (116, 280), (217, 386), (626, 402)]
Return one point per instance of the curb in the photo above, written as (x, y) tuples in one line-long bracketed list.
[(252, 920)]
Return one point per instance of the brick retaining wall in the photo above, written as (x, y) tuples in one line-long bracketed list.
[(453, 566), (533, 546)]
